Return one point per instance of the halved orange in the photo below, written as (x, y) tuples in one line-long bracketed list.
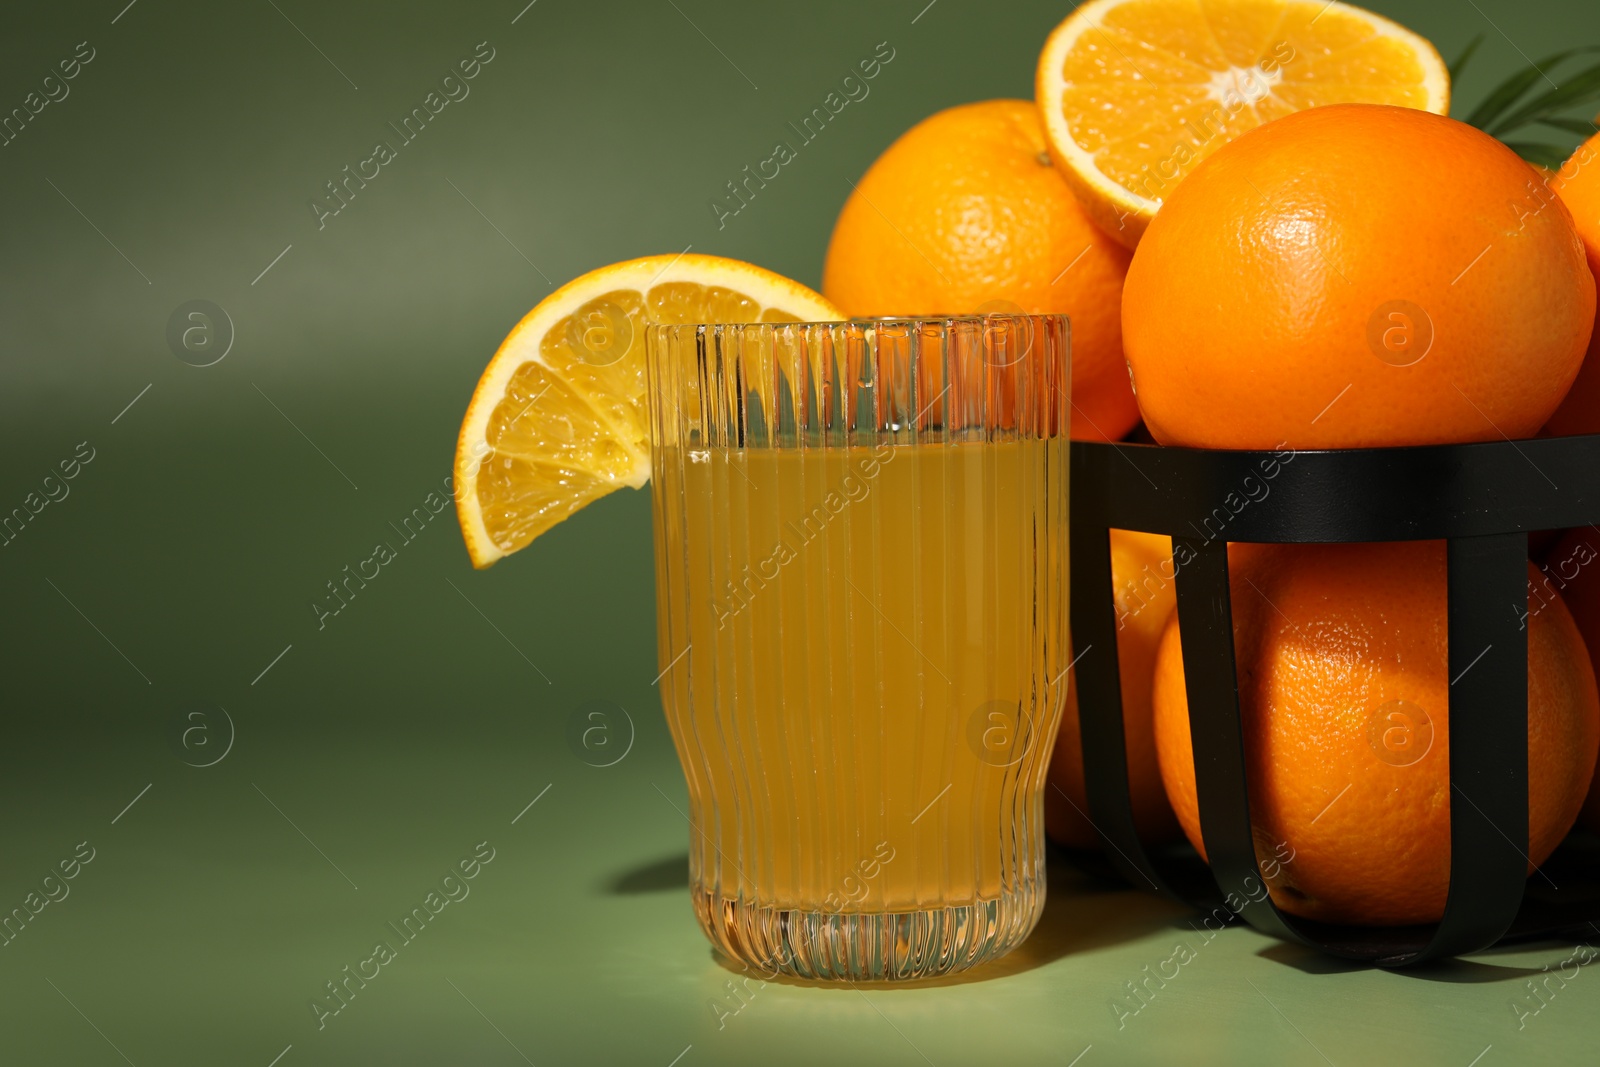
[(561, 417), (1135, 93)]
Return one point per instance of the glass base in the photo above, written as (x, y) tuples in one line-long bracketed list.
[(898, 946)]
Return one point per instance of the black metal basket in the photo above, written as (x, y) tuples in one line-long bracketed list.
[(1483, 499)]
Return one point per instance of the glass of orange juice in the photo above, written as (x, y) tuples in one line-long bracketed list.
[(861, 590)]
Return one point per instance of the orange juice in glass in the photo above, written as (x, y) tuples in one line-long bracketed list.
[(861, 590)]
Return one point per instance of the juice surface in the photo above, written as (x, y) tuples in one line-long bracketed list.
[(867, 649)]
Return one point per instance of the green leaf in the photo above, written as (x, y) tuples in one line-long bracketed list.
[(1580, 88), (1511, 90), (1547, 155), (1582, 127), (1461, 60)]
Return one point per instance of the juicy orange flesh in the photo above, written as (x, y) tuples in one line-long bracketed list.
[(576, 425), (1202, 72)]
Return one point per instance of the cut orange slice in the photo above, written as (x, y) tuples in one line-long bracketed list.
[(1135, 93), (560, 416)]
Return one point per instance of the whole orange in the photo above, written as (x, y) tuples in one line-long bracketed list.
[(1142, 582), (966, 213), (1344, 693), (1578, 185), (1356, 275), (1572, 574)]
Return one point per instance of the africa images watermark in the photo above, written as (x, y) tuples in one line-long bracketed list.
[(54, 90), (1555, 575), (1234, 90), (342, 190), (1155, 577), (52, 889), (854, 889), (855, 89), (855, 487), (1141, 994), (55, 489), (453, 888), (1541, 993), (342, 588)]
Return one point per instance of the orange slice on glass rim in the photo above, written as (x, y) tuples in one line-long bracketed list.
[(561, 416), (1135, 93)]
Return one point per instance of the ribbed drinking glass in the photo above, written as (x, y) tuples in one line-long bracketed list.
[(861, 590)]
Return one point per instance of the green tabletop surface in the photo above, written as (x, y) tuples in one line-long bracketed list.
[(248, 790)]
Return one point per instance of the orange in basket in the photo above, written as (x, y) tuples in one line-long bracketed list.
[(1356, 276), (1578, 185), (1344, 693)]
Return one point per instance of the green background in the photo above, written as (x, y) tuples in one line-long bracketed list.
[(379, 750)]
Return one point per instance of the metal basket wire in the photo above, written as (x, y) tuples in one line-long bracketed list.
[(1483, 500)]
